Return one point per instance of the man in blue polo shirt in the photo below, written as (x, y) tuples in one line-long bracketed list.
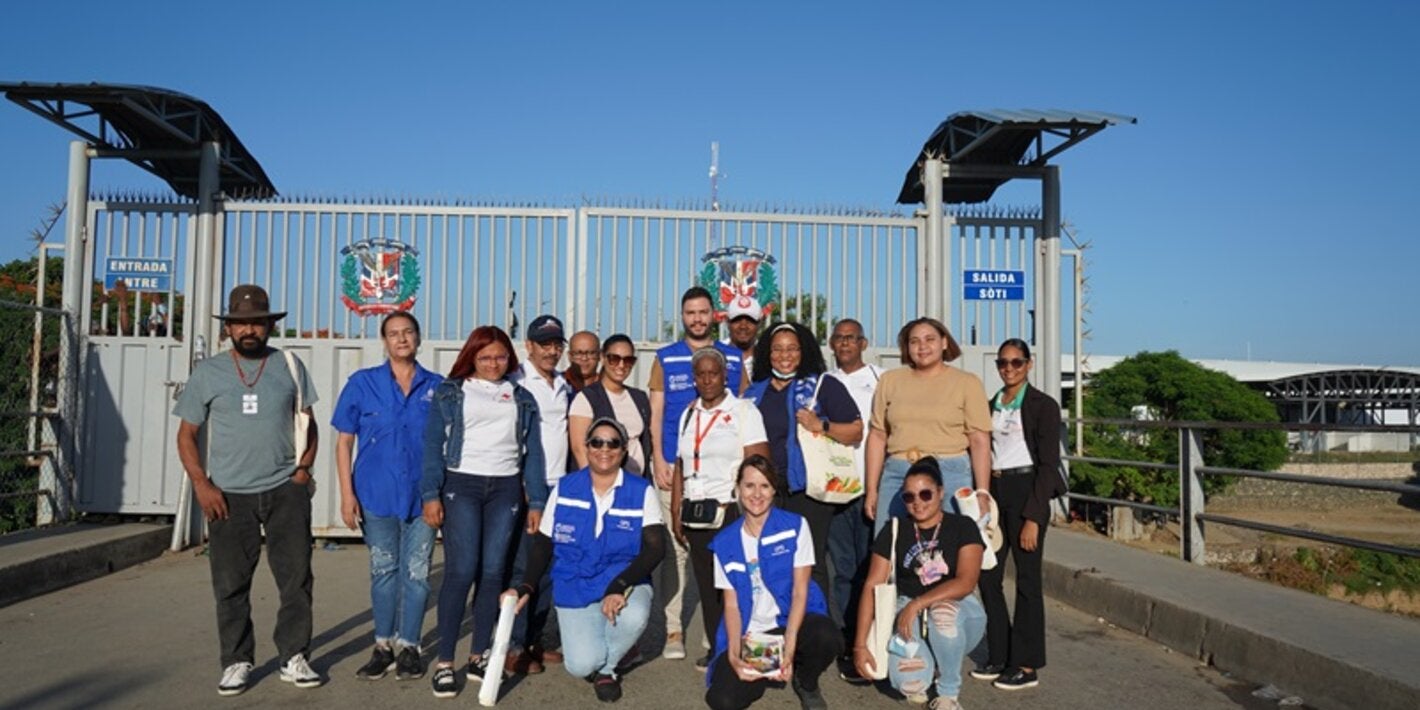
[(384, 408)]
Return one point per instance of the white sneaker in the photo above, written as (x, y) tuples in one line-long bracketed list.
[(299, 673), (675, 647), (918, 699), (234, 679), (941, 703)]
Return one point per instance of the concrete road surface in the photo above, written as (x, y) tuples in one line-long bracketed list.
[(145, 637)]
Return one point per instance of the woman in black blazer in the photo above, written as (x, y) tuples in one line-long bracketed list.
[(1025, 475)]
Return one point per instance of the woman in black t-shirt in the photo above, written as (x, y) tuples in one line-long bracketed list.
[(938, 558)]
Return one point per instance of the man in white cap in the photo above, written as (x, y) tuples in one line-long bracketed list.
[(253, 480), (743, 316)]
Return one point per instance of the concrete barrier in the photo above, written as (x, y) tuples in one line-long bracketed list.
[(34, 562)]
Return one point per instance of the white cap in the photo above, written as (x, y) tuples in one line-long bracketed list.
[(744, 306)]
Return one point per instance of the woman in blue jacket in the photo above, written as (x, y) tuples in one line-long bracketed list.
[(762, 565), (790, 390), (602, 535), (482, 461)]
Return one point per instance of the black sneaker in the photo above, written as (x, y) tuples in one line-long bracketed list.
[(478, 669), (445, 684), (809, 699), (408, 666), (608, 687), (702, 663), (849, 672), (1016, 679), (988, 671), (381, 662)]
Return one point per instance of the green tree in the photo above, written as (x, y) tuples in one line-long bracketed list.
[(17, 286), (1165, 386)]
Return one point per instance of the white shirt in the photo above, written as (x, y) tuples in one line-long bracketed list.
[(861, 384), (724, 431), (552, 401), (490, 429), (764, 611), (1008, 440), (650, 511)]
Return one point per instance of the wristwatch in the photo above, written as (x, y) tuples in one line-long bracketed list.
[(825, 424)]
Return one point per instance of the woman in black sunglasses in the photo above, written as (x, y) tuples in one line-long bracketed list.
[(1025, 475), (602, 535), (610, 397), (938, 560)]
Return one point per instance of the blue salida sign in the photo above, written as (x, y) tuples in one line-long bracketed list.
[(138, 274), (994, 285)]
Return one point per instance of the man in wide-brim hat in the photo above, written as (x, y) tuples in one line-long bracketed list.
[(253, 478)]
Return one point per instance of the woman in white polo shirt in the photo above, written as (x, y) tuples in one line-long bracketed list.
[(717, 431)]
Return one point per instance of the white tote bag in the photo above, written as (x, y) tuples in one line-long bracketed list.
[(303, 420), (884, 613), (830, 468)]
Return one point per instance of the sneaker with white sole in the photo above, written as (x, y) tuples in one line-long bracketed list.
[(445, 684), (234, 679), (298, 672), (917, 699), (945, 703), (1016, 679), (675, 647)]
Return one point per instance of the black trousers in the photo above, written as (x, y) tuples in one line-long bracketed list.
[(702, 560), (819, 516), (234, 547), (819, 643), (1020, 641)]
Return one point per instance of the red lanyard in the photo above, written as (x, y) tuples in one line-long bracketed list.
[(242, 376), (700, 435)]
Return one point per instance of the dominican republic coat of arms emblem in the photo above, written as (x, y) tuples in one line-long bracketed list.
[(743, 281), (379, 276)]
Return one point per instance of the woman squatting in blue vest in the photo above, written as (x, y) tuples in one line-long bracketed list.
[(775, 614), (602, 534)]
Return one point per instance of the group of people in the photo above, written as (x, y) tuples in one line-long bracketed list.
[(591, 502)]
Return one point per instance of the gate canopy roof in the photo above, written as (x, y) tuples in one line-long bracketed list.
[(158, 130), (999, 138)]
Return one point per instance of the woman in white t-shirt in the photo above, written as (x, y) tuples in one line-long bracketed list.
[(717, 431), (775, 625)]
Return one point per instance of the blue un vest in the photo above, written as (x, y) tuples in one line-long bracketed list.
[(778, 542), (680, 387), (582, 563), (801, 393)]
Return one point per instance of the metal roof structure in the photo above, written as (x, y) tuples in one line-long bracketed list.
[(156, 129), (999, 138)]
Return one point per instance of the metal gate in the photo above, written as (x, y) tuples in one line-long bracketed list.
[(605, 269)]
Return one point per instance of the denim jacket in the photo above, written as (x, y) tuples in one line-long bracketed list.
[(443, 442)]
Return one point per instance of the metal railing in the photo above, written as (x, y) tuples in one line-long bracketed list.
[(1191, 469)]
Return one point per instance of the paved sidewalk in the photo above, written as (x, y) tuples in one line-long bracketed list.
[(145, 637)]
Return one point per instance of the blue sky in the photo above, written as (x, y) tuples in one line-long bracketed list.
[(1262, 203)]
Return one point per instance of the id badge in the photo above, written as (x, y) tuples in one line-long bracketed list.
[(249, 403)]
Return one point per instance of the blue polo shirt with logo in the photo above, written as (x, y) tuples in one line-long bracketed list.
[(389, 443)]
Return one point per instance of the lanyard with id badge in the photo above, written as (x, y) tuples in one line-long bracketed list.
[(249, 398), (703, 513)]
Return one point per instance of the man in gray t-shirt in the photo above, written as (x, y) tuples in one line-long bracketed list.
[(246, 397)]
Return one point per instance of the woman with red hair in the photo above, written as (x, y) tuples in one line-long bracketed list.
[(482, 459)]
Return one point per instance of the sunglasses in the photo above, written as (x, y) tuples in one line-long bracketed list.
[(596, 443), (1014, 363), (925, 496), (618, 360)]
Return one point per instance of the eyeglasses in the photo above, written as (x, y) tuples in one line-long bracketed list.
[(492, 359), (925, 496), (596, 443), (583, 354), (618, 360), (846, 338), (1014, 363)]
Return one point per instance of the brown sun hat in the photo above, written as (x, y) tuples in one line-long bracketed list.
[(249, 302)]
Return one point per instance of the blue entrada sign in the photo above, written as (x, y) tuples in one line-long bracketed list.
[(138, 274), (994, 285)]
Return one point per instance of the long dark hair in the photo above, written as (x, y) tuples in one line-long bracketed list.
[(810, 356)]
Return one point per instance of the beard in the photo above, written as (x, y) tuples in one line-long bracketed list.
[(250, 346)]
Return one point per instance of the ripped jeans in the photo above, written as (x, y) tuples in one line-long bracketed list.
[(953, 629), (399, 577)]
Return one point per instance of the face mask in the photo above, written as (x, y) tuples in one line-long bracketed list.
[(782, 375)]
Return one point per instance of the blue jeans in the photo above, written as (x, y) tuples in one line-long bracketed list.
[(956, 473), (399, 577), (480, 513), (849, 543), (953, 629), (591, 644)]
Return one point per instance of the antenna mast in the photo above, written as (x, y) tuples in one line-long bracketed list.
[(714, 190)]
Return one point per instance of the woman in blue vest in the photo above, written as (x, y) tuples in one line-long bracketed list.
[(938, 560), (791, 392), (483, 461), (763, 562), (602, 534), (385, 408)]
